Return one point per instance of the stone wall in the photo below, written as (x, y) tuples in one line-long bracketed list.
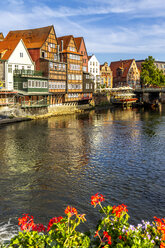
[(43, 112), (16, 111), (101, 99)]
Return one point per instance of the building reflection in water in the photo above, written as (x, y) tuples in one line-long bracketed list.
[(47, 164)]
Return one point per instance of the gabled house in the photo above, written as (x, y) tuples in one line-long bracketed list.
[(13, 56), (94, 69), (105, 76), (43, 48), (19, 75), (125, 73), (82, 49), (70, 55)]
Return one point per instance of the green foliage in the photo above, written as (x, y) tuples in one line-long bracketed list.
[(113, 230), (150, 74)]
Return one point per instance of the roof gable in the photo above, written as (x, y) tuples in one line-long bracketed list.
[(32, 38), (7, 48), (66, 42), (124, 65), (79, 41)]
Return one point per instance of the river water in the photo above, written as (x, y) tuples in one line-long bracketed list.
[(46, 165)]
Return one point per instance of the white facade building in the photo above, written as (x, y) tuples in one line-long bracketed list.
[(14, 56), (94, 69)]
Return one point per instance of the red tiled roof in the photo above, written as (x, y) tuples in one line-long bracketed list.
[(32, 38), (78, 41), (89, 57), (139, 65), (122, 64), (66, 40), (7, 47)]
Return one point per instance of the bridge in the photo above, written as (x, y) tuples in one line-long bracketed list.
[(150, 95)]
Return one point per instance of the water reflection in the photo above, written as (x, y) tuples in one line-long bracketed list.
[(47, 164)]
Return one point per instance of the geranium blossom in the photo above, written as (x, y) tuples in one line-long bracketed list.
[(54, 220), (26, 222), (119, 209), (96, 199), (70, 211), (108, 237)]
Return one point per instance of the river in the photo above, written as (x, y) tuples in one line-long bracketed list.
[(46, 165)]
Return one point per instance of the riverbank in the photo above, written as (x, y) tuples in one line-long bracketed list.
[(51, 111), (13, 120)]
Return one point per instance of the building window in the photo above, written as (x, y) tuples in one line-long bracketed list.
[(29, 84), (21, 55), (9, 68), (25, 85), (87, 86), (16, 67), (55, 57)]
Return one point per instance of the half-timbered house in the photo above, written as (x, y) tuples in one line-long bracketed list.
[(125, 73), (43, 48), (105, 76), (82, 49), (73, 59)]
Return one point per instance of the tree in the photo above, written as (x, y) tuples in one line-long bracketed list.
[(150, 74)]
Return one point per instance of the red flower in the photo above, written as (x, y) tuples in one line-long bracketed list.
[(26, 222), (70, 211), (120, 237), (97, 233), (119, 209), (96, 199), (54, 220), (108, 237), (39, 228), (162, 245)]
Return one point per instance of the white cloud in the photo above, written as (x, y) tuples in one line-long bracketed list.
[(111, 38)]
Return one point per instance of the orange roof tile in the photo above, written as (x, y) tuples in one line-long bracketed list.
[(32, 38), (122, 64), (7, 47)]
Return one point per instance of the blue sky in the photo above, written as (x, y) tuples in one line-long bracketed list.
[(112, 29)]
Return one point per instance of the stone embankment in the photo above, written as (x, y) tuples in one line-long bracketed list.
[(16, 114)]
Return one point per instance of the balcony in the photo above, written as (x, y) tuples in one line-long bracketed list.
[(27, 73)]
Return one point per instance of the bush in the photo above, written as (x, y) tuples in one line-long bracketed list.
[(113, 230)]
